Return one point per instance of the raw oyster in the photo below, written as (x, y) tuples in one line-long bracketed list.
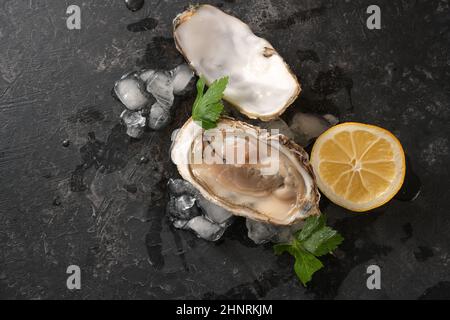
[(216, 45), (249, 172)]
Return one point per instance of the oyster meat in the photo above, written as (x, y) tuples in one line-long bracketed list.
[(261, 85), (248, 171)]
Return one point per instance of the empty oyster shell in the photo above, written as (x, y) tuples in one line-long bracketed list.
[(261, 85), (248, 171)]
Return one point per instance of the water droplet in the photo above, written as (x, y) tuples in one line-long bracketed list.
[(143, 160), (66, 143), (131, 188), (134, 5), (91, 136), (57, 202), (412, 185)]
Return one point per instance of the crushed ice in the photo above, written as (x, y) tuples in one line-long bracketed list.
[(160, 85), (135, 123), (308, 126), (153, 90), (260, 232), (189, 210), (182, 78), (130, 90)]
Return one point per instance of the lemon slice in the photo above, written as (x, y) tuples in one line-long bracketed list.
[(358, 166)]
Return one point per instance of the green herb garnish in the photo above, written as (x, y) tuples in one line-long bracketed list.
[(315, 239), (208, 105)]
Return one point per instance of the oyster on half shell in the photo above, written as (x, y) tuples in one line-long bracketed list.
[(249, 171), (261, 85)]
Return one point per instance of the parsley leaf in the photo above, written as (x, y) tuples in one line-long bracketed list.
[(282, 248), (208, 105), (306, 264), (314, 240), (323, 241), (200, 90)]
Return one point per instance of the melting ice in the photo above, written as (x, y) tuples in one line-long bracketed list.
[(189, 210), (182, 77), (308, 126), (140, 90), (135, 123), (260, 232), (130, 90)]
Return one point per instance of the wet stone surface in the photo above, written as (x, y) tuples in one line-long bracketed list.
[(99, 202)]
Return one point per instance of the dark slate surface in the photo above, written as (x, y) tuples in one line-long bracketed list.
[(61, 206)]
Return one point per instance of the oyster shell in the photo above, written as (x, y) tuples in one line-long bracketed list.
[(248, 171), (261, 85)]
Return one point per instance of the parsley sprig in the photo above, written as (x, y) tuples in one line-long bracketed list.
[(208, 105), (314, 240)]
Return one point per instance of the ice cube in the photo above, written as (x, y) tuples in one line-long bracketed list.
[(277, 124), (159, 116), (182, 76), (188, 209), (160, 85), (260, 232), (308, 126), (184, 202), (146, 74), (333, 120), (285, 234), (134, 122), (205, 229), (180, 224), (215, 213), (173, 138), (178, 187), (182, 208), (130, 90)]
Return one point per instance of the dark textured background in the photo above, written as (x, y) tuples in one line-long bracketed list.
[(60, 206)]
